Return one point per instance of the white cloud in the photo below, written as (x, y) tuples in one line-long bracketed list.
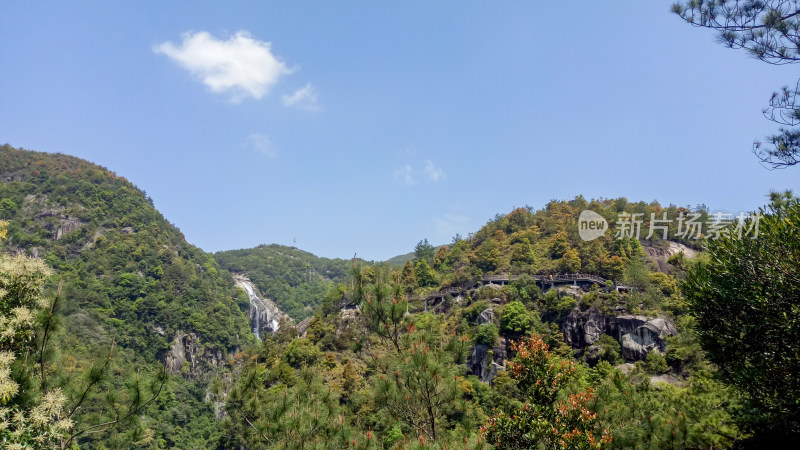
[(261, 143), (304, 98), (241, 66), (432, 173), (450, 224), (405, 174)]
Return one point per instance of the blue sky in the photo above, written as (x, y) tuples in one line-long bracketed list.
[(366, 126)]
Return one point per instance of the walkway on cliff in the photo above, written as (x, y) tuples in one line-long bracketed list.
[(544, 281)]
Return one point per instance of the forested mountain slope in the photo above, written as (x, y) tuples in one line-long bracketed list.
[(129, 276)]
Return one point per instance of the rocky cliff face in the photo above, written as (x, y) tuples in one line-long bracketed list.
[(263, 314), (637, 335), (188, 357), (661, 253), (582, 329), (485, 362)]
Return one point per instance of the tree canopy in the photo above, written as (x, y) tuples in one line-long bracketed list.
[(747, 303)]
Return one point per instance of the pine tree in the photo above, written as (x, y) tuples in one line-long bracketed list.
[(770, 31), (746, 301)]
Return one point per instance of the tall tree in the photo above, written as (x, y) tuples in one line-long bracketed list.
[(407, 277), (424, 250), (768, 30), (424, 273), (747, 302)]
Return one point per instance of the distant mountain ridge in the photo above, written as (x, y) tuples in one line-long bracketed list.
[(295, 280)]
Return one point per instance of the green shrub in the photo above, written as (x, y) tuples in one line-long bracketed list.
[(655, 363), (515, 319), (486, 334), (301, 352)]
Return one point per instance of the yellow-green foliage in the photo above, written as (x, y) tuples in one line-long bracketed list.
[(43, 423)]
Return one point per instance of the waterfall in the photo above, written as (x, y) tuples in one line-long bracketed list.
[(256, 326), (254, 301), (259, 306)]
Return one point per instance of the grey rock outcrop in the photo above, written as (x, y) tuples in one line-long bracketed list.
[(582, 329), (637, 335), (188, 357), (68, 224), (660, 252), (485, 363), (486, 316)]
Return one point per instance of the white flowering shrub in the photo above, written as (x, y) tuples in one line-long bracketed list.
[(44, 423)]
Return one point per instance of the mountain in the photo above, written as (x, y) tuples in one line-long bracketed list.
[(399, 260), (465, 337), (130, 277)]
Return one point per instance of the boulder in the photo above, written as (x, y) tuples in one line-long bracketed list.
[(486, 316), (484, 363), (584, 328), (638, 335), (477, 359)]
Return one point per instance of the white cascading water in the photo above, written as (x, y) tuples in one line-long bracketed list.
[(257, 325), (255, 302)]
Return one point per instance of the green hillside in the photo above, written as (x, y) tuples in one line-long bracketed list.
[(129, 275)]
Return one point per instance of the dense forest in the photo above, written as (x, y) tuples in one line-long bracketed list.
[(116, 333)]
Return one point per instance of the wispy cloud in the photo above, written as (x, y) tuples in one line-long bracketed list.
[(429, 173), (304, 98), (433, 174), (261, 143), (405, 175), (241, 66), (450, 224)]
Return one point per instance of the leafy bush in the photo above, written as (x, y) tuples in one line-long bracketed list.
[(486, 335), (655, 363), (516, 320), (302, 352)]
